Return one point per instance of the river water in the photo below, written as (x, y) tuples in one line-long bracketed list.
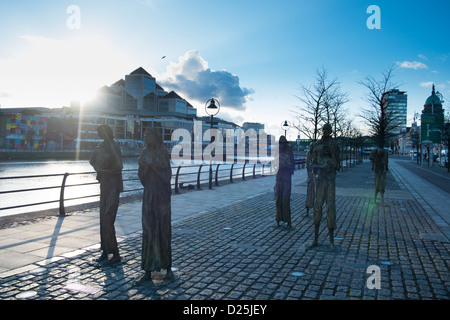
[(81, 172)]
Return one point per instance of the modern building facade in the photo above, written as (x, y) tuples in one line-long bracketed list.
[(397, 105), (129, 106), (139, 94), (25, 130)]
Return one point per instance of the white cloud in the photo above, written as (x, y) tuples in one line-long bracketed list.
[(422, 56), (426, 84), (192, 77), (412, 65)]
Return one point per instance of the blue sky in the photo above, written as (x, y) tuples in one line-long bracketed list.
[(252, 55)]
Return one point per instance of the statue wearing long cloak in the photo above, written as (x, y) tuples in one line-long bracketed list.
[(283, 183), (325, 162), (379, 158), (155, 175), (107, 162), (310, 191)]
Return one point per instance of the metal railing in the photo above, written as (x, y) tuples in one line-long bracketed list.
[(219, 171)]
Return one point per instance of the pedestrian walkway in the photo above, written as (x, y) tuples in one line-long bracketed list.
[(227, 246)]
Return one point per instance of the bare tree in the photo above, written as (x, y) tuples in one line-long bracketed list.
[(321, 103), (333, 111), (349, 130), (380, 119)]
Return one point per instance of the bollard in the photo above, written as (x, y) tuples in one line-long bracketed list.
[(198, 177), (62, 211), (217, 170), (231, 173), (176, 180), (210, 177)]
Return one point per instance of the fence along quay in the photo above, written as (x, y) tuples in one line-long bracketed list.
[(183, 176)]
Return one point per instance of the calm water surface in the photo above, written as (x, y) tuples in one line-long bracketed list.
[(59, 167)]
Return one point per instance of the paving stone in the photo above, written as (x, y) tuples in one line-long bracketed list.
[(255, 259)]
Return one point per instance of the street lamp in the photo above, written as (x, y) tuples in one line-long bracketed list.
[(285, 126), (212, 107)]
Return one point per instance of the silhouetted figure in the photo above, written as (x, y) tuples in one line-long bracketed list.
[(107, 161), (325, 162), (379, 158), (310, 191), (155, 174), (283, 182)]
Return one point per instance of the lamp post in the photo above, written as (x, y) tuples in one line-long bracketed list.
[(285, 126), (212, 107)]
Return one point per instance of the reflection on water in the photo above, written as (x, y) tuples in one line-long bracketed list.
[(188, 175), (58, 168)]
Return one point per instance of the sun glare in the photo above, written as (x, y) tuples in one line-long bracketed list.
[(56, 72)]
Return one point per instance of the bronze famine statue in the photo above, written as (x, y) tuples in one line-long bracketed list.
[(379, 158), (107, 162), (310, 191), (324, 163), (155, 175), (283, 182)]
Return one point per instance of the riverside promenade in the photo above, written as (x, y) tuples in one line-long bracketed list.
[(226, 245)]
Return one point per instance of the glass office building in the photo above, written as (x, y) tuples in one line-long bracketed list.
[(397, 105)]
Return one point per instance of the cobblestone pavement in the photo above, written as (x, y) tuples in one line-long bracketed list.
[(238, 252)]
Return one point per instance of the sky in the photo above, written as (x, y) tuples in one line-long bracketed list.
[(250, 55)]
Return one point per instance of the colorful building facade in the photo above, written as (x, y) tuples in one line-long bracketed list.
[(25, 132)]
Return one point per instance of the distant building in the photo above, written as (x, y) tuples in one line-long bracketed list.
[(37, 129), (139, 94), (432, 120), (253, 125), (24, 129), (129, 106), (397, 104), (433, 104)]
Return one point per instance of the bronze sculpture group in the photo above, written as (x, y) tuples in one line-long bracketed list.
[(154, 173), (322, 162)]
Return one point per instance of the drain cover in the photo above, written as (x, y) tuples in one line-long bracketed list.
[(82, 288), (38, 270), (26, 294)]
